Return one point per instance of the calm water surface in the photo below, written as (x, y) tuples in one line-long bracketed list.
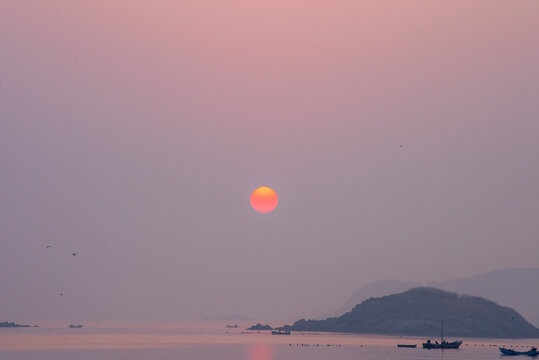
[(213, 341)]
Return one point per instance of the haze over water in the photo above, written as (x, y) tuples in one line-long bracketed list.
[(208, 340), (134, 133), (401, 138)]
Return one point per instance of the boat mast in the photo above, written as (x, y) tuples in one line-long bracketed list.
[(442, 331)]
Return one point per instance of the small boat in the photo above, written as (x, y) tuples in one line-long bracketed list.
[(443, 344), (407, 345), (280, 332), (235, 326), (532, 352), (75, 326)]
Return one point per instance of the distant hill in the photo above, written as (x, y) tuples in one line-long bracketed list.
[(419, 312), (535, 321), (517, 288), (374, 289)]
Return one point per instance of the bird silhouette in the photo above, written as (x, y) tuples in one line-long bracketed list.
[(74, 254), (48, 246)]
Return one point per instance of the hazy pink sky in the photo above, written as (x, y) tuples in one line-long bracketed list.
[(134, 133)]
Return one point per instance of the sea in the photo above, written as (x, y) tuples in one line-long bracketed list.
[(214, 341)]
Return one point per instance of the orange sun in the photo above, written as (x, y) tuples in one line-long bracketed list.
[(264, 199)]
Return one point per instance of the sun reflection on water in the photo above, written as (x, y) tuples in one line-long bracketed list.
[(261, 352)]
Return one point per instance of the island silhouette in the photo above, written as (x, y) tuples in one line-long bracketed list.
[(259, 326), (419, 311), (13, 325)]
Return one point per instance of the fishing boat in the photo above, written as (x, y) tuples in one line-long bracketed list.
[(532, 352), (407, 345), (235, 326), (280, 332), (75, 326), (443, 344)]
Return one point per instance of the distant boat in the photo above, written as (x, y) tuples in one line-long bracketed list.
[(75, 326), (280, 332), (443, 344), (407, 345), (532, 352), (235, 326)]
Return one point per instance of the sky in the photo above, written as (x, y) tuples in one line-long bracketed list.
[(401, 138)]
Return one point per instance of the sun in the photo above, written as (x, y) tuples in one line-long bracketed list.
[(264, 199)]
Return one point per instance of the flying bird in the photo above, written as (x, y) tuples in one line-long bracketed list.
[(48, 246), (74, 254)]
